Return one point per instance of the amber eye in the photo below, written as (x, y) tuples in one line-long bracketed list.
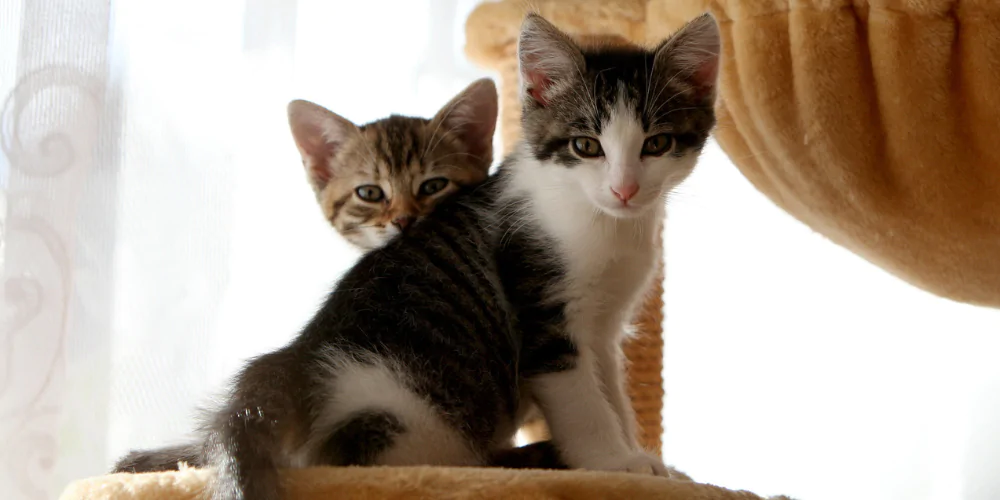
[(432, 186), (657, 145), (370, 193), (587, 147)]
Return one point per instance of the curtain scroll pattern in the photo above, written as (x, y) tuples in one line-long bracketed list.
[(53, 123)]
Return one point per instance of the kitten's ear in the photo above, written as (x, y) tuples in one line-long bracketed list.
[(472, 116), (694, 52), (319, 133), (548, 59)]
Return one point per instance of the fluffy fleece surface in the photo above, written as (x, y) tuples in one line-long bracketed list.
[(877, 124), (405, 483)]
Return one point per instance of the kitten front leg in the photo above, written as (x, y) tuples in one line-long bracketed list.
[(584, 426), (611, 371)]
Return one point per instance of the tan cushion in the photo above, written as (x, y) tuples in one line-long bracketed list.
[(404, 483)]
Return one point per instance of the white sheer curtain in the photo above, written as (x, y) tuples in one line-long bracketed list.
[(156, 229)]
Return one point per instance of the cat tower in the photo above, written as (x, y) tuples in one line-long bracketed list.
[(874, 122)]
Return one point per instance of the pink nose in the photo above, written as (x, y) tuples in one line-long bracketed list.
[(402, 222), (625, 192)]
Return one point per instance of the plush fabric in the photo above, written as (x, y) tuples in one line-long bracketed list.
[(403, 483), (877, 124)]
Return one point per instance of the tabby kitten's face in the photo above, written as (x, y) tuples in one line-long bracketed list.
[(372, 181), (617, 126)]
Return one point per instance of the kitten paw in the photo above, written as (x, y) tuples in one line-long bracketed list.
[(637, 463)]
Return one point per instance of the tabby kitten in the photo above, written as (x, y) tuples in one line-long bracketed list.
[(430, 348), (411, 360), (386, 174)]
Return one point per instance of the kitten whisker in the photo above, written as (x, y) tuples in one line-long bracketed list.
[(594, 214), (668, 101), (459, 153), (649, 77), (441, 138), (512, 229), (440, 119), (593, 95), (368, 146), (662, 88)]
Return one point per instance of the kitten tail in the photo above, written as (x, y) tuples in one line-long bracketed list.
[(161, 459)]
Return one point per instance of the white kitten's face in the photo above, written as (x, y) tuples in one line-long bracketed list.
[(630, 177), (624, 124)]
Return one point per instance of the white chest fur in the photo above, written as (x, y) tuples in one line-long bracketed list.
[(609, 267), (610, 261)]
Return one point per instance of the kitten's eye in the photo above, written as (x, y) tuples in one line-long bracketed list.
[(370, 193), (587, 147), (432, 186), (657, 145)]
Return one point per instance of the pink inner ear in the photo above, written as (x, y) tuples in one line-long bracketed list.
[(537, 85), (320, 171), (708, 72), (706, 76), (319, 162)]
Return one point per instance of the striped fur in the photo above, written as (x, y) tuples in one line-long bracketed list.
[(510, 293), (399, 156)]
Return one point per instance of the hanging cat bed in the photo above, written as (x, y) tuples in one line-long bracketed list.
[(877, 124)]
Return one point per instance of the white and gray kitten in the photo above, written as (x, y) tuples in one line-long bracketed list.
[(609, 131)]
